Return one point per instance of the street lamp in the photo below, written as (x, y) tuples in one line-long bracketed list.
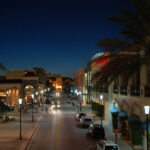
[(80, 100), (101, 104), (32, 108), (146, 109), (20, 103)]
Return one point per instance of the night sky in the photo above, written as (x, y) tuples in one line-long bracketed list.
[(58, 35)]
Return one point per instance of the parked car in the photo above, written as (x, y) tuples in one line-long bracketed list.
[(96, 131), (85, 121), (79, 115), (106, 145)]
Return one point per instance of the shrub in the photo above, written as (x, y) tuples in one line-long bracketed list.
[(6, 118), (99, 109), (136, 132), (3, 108)]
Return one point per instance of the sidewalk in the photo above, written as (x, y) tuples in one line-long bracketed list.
[(10, 131), (108, 131)]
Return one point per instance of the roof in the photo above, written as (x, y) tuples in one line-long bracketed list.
[(97, 55), (11, 81)]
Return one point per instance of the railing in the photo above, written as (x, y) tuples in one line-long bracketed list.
[(104, 90), (135, 91), (147, 91), (123, 90), (115, 90)]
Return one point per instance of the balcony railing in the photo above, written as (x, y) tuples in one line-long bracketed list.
[(123, 90), (115, 90), (147, 91), (135, 91), (104, 90)]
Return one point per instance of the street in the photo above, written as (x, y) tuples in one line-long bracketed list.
[(58, 130)]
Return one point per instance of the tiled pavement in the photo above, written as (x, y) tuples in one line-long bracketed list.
[(10, 131)]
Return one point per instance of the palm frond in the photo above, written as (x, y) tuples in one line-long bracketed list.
[(2, 67)]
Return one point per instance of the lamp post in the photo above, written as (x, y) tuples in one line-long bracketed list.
[(20, 103), (146, 109), (80, 101), (32, 108), (101, 104)]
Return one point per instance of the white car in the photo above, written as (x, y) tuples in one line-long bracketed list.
[(85, 121), (106, 145), (79, 115)]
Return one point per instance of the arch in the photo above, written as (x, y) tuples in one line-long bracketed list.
[(124, 106), (115, 103), (136, 109)]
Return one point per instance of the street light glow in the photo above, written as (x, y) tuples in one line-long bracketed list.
[(20, 101), (32, 95), (146, 109), (101, 97)]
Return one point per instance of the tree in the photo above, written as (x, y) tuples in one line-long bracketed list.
[(2, 67), (3, 108), (128, 54)]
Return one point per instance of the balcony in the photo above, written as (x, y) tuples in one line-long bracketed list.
[(135, 91), (104, 90), (115, 89), (147, 91), (123, 90)]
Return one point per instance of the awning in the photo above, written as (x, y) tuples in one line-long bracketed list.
[(115, 109), (133, 118), (122, 114)]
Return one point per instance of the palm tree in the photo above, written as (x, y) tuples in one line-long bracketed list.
[(2, 67), (128, 54)]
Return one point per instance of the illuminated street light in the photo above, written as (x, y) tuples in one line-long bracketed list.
[(146, 109), (101, 104), (32, 107), (20, 103)]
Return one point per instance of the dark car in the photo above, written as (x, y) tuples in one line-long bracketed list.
[(97, 131)]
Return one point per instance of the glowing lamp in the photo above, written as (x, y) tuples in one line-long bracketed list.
[(146, 109), (20, 101)]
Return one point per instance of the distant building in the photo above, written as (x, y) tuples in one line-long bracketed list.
[(81, 84), (61, 84)]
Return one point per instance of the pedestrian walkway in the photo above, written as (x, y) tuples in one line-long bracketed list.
[(108, 130), (10, 131)]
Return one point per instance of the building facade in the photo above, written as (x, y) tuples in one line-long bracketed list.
[(25, 84)]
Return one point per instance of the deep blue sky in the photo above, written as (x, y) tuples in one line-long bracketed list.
[(58, 35)]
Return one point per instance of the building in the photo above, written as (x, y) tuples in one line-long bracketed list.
[(80, 78), (62, 85), (25, 84)]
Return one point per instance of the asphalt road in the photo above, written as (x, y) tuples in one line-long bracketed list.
[(58, 130)]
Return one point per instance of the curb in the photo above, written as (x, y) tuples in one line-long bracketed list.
[(26, 143)]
